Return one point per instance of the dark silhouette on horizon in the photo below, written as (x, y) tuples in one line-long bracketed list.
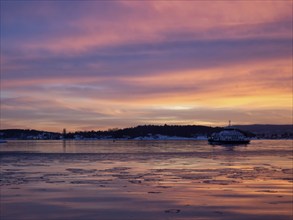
[(186, 131)]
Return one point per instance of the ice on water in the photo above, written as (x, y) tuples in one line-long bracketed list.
[(145, 180)]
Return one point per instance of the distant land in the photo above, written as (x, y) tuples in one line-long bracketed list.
[(152, 132)]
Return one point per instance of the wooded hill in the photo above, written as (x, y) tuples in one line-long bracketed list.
[(186, 131)]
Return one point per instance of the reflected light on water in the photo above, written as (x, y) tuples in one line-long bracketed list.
[(145, 180)]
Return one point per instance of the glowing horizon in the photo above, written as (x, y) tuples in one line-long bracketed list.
[(94, 65)]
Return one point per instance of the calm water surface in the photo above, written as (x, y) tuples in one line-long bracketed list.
[(145, 180)]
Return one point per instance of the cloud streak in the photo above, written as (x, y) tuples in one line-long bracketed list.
[(95, 64)]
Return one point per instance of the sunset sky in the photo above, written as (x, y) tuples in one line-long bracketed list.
[(94, 65)]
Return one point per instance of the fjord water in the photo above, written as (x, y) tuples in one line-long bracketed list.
[(97, 179)]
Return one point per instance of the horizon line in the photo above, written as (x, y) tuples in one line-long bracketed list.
[(144, 125)]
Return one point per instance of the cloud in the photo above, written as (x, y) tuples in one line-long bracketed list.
[(233, 85), (144, 59), (77, 27), (32, 111), (121, 63), (58, 118), (217, 116)]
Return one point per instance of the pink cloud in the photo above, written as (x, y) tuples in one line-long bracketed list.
[(157, 21), (121, 63)]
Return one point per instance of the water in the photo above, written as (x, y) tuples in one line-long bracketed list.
[(145, 180)]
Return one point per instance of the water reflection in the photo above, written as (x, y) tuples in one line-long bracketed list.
[(64, 146), (108, 146), (147, 180)]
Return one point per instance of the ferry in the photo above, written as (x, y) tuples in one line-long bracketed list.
[(229, 135)]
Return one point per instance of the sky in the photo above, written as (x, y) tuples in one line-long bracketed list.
[(96, 65)]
